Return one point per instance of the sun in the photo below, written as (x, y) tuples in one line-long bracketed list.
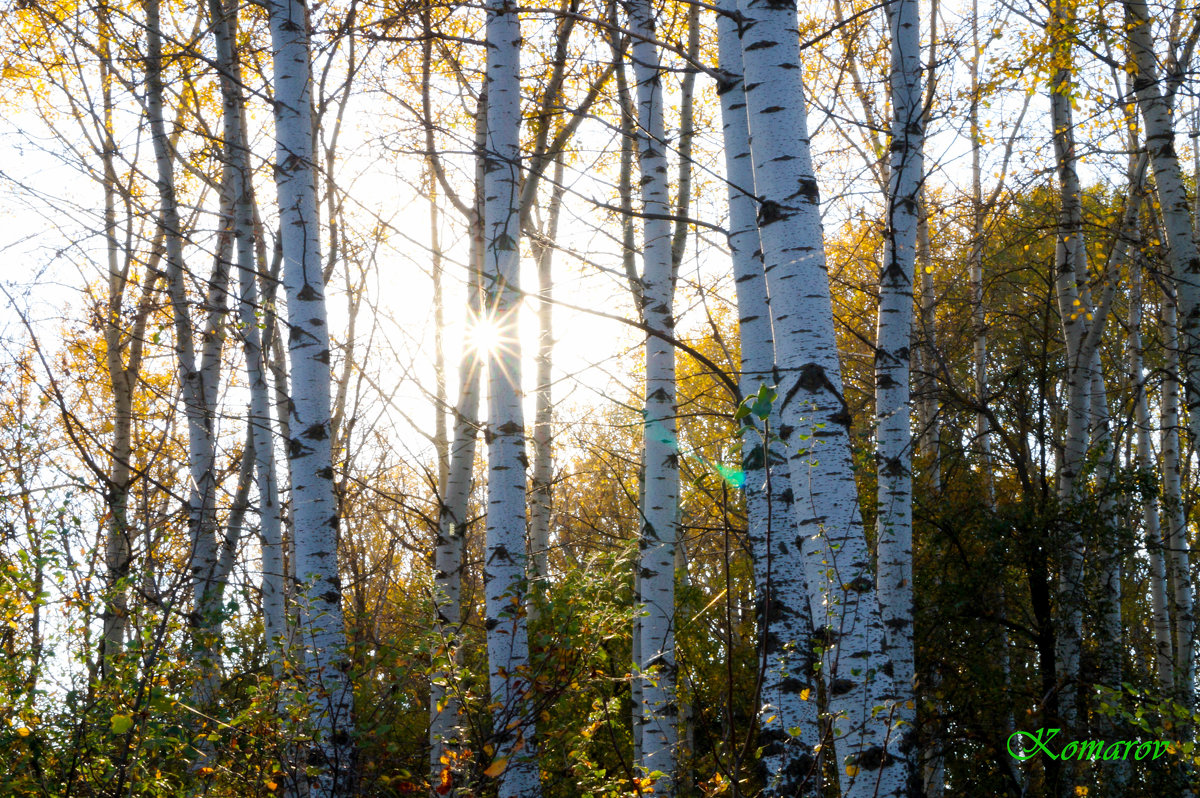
[(484, 334)]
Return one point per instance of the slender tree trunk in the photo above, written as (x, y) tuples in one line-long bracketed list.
[(787, 707), (929, 443), (122, 379), (1183, 343), (505, 560), (541, 495), (661, 503), (1155, 105), (629, 264), (814, 417), (893, 447), (444, 694), (237, 154), (207, 582), (1163, 662), (314, 506), (978, 317), (1179, 573), (1070, 271)]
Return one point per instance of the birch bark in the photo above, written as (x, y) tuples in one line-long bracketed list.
[(452, 513), (1070, 272), (1178, 571), (1155, 106), (787, 711), (656, 565), (206, 581), (237, 157), (1163, 661), (893, 407), (314, 507), (814, 418), (505, 560)]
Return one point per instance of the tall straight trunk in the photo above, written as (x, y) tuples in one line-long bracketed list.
[(660, 505), (452, 513), (505, 559), (237, 156), (314, 506), (978, 317), (787, 707), (814, 417), (893, 408), (441, 441), (206, 579), (122, 379), (1179, 574), (687, 134), (629, 265), (929, 442), (1070, 272), (541, 495), (682, 212), (1160, 614)]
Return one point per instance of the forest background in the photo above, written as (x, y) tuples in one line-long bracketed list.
[(597, 399)]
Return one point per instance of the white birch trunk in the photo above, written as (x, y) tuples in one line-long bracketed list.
[(505, 558), (787, 712), (1178, 571), (1155, 106), (314, 506), (206, 582), (237, 155), (893, 408), (452, 513), (814, 417), (1070, 272), (1163, 662), (660, 504), (541, 494)]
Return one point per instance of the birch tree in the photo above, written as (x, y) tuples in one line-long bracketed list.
[(813, 412), (505, 558), (314, 508), (444, 694), (893, 436), (210, 561), (660, 502), (787, 712)]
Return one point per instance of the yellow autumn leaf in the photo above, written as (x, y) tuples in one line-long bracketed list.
[(851, 770), (496, 768), (1081, 790), (24, 732), (805, 693)]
